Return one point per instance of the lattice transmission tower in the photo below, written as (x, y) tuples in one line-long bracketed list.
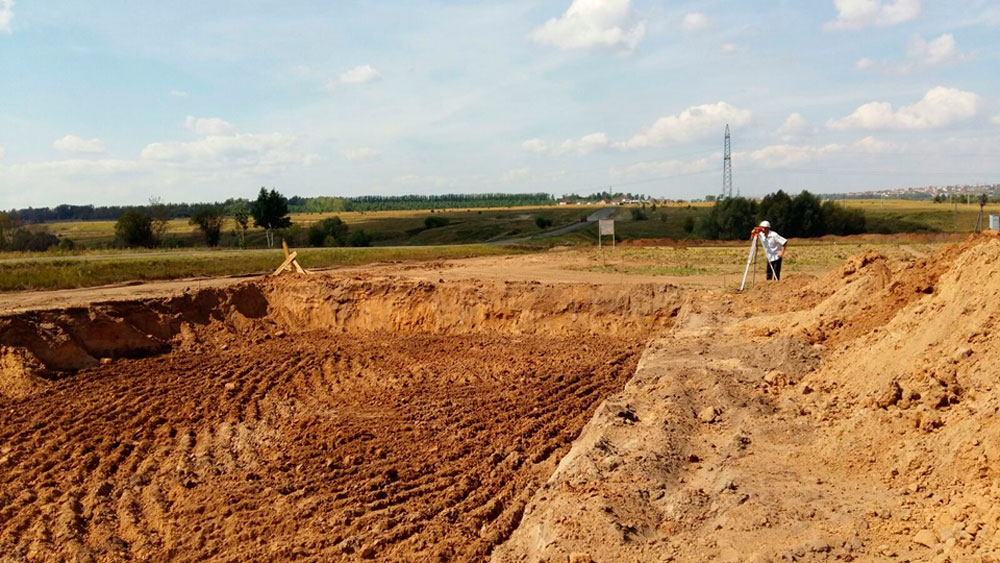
[(727, 169)]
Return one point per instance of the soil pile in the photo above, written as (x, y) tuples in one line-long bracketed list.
[(863, 427)]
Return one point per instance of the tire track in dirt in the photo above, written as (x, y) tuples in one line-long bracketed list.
[(335, 446)]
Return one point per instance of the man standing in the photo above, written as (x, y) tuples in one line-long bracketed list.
[(774, 247)]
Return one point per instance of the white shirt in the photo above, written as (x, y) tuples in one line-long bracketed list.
[(772, 244)]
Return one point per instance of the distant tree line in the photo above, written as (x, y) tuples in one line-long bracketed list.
[(296, 204), (605, 195), (804, 215), (408, 202)]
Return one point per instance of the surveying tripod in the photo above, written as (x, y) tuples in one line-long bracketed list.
[(979, 220), (756, 236)]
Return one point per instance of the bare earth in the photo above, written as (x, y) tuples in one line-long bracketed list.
[(509, 409)]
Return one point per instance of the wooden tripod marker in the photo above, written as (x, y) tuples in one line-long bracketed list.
[(290, 261)]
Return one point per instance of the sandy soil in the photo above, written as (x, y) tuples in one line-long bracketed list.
[(847, 418), (416, 413), (297, 418)]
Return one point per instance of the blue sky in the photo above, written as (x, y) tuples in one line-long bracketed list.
[(114, 102)]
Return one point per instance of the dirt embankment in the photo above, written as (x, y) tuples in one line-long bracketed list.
[(303, 418), (850, 418)]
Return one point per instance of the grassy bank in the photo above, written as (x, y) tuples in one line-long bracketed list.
[(24, 272)]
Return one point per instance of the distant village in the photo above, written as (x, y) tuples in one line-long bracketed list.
[(923, 192)]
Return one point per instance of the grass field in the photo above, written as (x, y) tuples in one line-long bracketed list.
[(43, 271), (406, 228), (400, 235), (730, 261), (387, 228), (900, 215)]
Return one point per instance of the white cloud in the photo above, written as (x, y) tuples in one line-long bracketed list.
[(537, 146), (795, 126), (359, 153), (730, 47), (516, 175), (2, 152), (933, 52), (581, 146), (178, 93), (665, 168), (855, 14), (785, 156), (694, 123), (695, 22), (940, 107), (207, 126), (994, 120), (590, 24), (921, 53), (6, 14), (258, 152), (360, 74), (74, 144)]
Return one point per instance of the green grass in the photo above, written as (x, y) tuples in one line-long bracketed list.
[(388, 228), (25, 272)]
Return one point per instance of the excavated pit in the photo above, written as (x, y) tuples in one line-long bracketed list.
[(322, 417)]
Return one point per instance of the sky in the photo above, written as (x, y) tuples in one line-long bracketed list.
[(117, 101)]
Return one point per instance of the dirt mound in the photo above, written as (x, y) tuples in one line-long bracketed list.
[(19, 373), (860, 296), (882, 447), (298, 418)]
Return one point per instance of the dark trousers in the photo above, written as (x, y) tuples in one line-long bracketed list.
[(777, 269)]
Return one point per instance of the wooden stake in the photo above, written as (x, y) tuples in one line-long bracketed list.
[(286, 265)]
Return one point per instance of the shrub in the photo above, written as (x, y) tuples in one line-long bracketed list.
[(209, 220), (135, 228), (360, 238), (689, 224), (435, 222), (840, 220), (543, 222), (639, 214), (24, 240), (66, 243), (330, 229)]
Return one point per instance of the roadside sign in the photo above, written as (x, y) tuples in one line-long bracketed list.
[(605, 227)]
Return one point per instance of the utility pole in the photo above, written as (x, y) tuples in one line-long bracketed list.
[(727, 169)]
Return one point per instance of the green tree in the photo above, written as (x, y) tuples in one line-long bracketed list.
[(730, 219), (806, 216), (159, 218), (776, 209), (331, 231), (270, 211), (209, 219), (6, 224), (840, 220), (239, 210), (135, 228)]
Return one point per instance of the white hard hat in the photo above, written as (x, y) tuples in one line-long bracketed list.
[(765, 224)]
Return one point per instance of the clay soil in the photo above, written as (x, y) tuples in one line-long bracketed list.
[(413, 414), (267, 423)]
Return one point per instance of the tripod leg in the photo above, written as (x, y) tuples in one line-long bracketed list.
[(753, 249)]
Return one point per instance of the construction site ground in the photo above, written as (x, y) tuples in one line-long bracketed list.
[(573, 405)]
